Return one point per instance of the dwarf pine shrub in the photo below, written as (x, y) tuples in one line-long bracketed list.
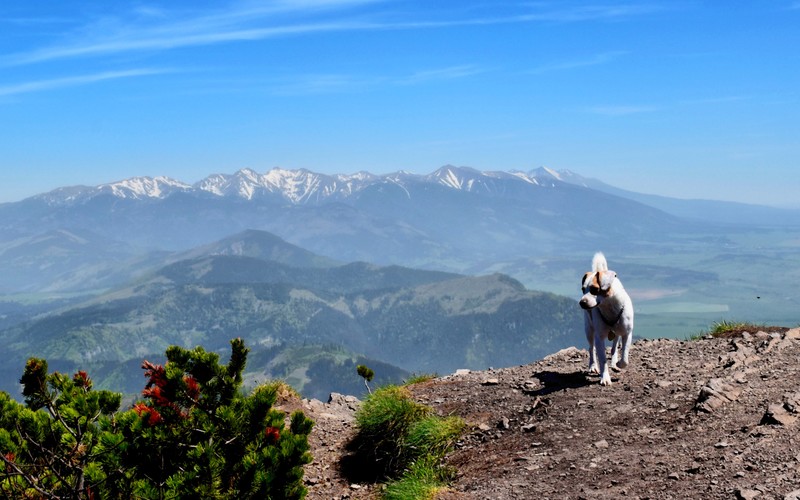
[(194, 435)]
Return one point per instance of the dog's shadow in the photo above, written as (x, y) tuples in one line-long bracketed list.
[(558, 381)]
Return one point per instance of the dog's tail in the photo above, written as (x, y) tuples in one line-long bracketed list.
[(599, 262)]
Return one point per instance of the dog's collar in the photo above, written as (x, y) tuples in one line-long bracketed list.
[(616, 320)]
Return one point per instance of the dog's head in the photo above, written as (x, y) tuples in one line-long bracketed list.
[(595, 287)]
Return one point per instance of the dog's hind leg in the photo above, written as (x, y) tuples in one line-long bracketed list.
[(615, 345), (626, 349), (627, 340)]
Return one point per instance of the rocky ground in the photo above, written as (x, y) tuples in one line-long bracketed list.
[(710, 418)]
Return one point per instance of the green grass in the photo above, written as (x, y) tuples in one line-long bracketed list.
[(422, 481), (419, 378), (405, 442), (383, 421), (727, 329), (432, 436), (721, 328)]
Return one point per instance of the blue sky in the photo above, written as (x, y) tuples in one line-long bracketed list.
[(692, 99)]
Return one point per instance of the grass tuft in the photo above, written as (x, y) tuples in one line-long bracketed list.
[(383, 421), (725, 329), (432, 436), (284, 391), (418, 378), (405, 442), (422, 481)]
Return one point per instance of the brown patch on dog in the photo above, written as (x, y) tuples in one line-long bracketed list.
[(601, 278), (597, 284)]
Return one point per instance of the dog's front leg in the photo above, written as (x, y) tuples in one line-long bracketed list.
[(593, 359), (590, 339), (600, 352)]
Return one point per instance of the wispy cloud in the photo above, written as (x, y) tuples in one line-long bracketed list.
[(323, 84), (557, 12), (157, 42), (33, 21), (339, 83), (620, 110), (148, 29), (42, 85), (158, 30), (596, 60), (449, 73)]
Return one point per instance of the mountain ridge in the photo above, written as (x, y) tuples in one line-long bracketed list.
[(281, 298), (297, 186), (303, 186)]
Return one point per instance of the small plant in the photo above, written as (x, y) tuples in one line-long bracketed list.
[(367, 374), (405, 442), (383, 421), (419, 378), (422, 481), (432, 436), (727, 329)]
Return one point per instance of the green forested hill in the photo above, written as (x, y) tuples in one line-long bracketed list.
[(417, 321)]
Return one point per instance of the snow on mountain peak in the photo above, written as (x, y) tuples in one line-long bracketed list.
[(144, 187), (524, 177), (470, 179), (303, 186), (449, 177), (461, 178), (244, 184), (546, 173)]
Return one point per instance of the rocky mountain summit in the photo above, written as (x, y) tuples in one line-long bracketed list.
[(709, 418)]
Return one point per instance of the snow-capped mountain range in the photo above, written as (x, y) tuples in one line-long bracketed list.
[(303, 186), (455, 219)]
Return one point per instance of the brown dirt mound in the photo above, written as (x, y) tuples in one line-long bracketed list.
[(713, 418)]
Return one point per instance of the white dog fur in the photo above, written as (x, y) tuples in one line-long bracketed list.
[(608, 315)]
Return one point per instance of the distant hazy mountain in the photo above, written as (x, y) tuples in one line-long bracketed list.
[(258, 245), (303, 187), (725, 212), (67, 259), (415, 320), (456, 218), (299, 187), (450, 219)]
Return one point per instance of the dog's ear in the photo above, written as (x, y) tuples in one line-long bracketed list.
[(604, 281), (584, 284)]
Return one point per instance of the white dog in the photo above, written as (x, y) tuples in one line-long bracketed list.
[(608, 316), (589, 301)]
